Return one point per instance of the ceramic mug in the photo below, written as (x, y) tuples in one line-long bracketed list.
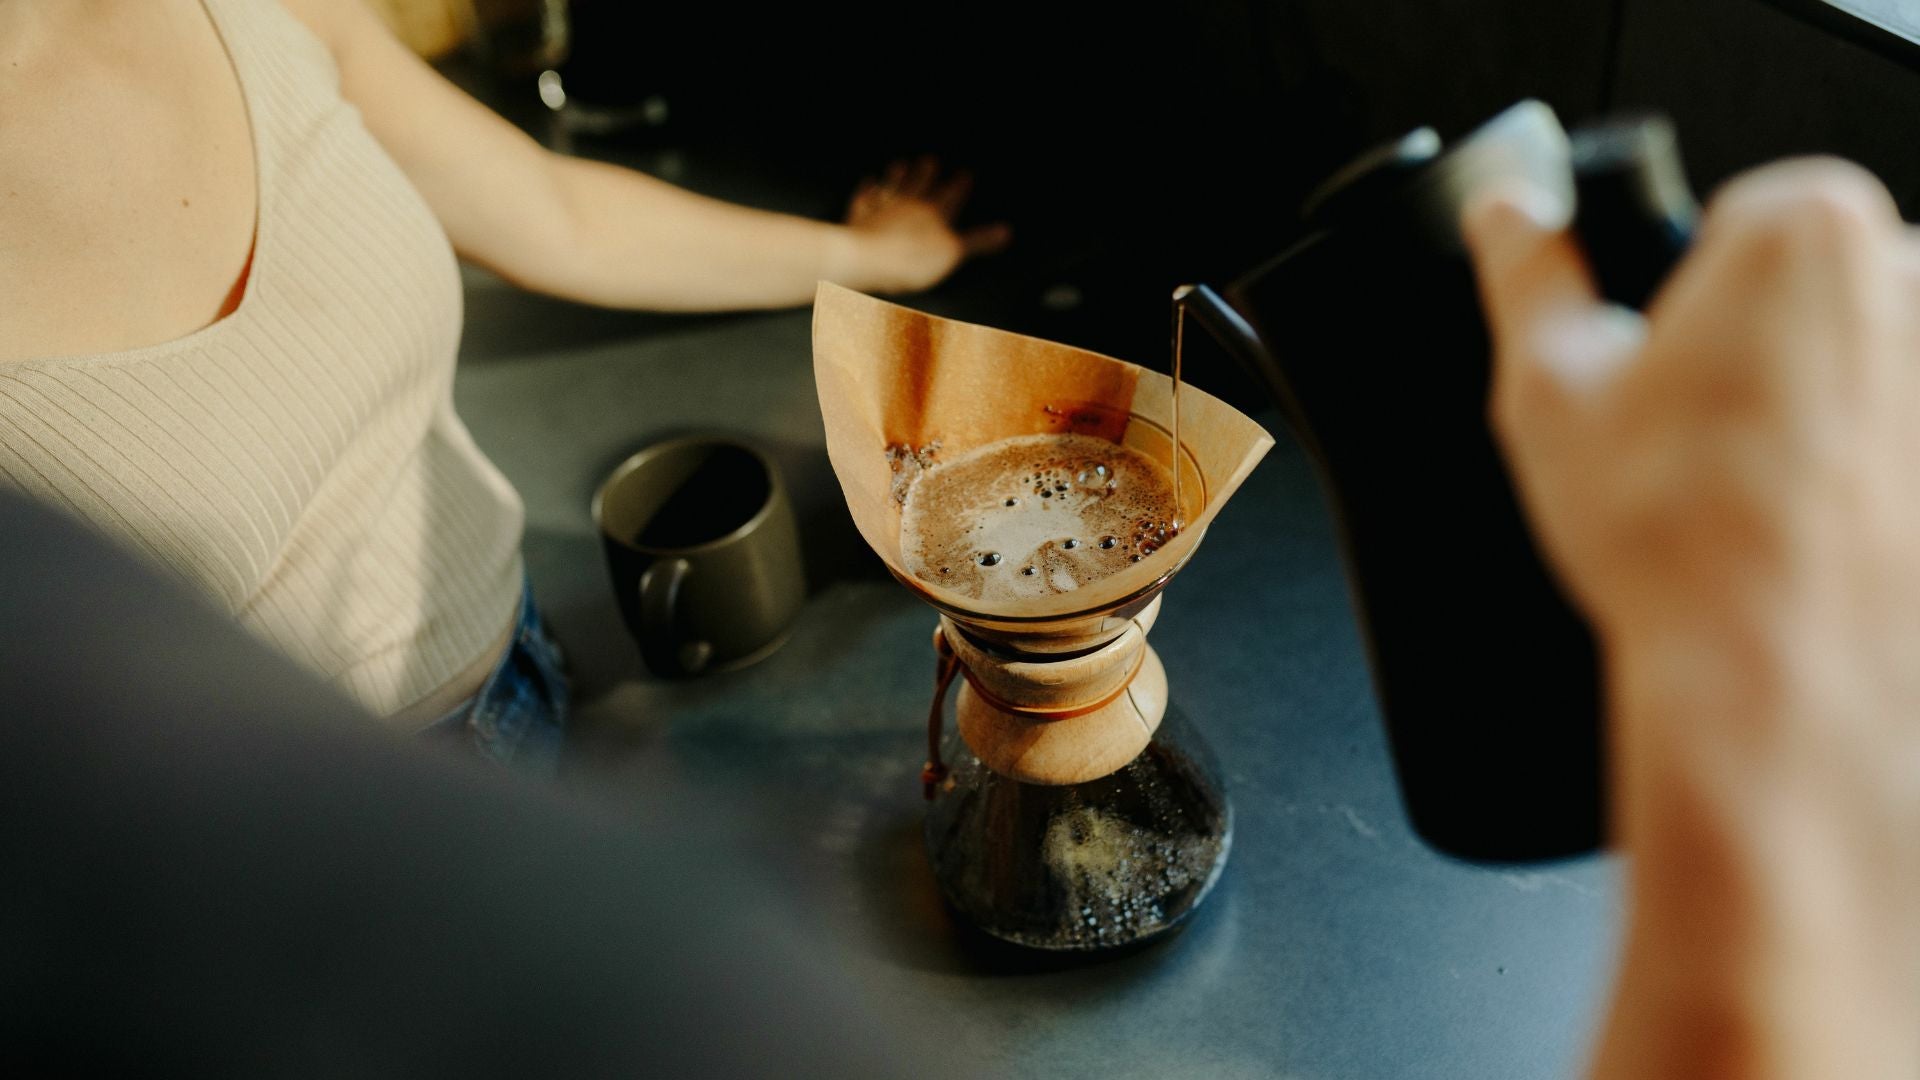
[(704, 553)]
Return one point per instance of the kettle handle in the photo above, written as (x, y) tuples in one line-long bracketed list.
[(1634, 212)]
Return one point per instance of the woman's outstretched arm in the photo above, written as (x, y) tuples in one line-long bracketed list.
[(601, 234)]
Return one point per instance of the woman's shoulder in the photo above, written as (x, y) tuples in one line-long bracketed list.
[(336, 25), (126, 180)]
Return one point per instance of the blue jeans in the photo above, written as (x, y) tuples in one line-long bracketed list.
[(519, 716)]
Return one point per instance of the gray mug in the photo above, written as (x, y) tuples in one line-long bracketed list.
[(704, 553)]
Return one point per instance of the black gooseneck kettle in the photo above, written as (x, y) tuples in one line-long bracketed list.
[(1369, 335)]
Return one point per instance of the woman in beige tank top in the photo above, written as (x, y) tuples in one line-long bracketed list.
[(230, 315)]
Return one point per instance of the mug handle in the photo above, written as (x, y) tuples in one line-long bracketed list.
[(660, 642)]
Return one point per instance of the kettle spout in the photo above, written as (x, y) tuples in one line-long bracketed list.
[(1227, 326), (1235, 334)]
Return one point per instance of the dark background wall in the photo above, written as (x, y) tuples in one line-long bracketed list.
[(1748, 81), (1135, 147)]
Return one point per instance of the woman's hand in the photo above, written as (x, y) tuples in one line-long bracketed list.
[(903, 223), (1730, 489)]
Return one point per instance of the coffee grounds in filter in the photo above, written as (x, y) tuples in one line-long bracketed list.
[(1034, 516)]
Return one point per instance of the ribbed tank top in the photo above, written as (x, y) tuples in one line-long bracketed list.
[(299, 460)]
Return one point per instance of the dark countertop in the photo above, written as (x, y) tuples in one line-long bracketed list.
[(1336, 945)]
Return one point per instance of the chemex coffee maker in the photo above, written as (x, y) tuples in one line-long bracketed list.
[(1074, 810), (1368, 332)]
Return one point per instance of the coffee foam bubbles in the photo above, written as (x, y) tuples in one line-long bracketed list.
[(1059, 511)]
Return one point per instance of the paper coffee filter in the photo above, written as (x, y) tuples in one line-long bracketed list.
[(900, 387)]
